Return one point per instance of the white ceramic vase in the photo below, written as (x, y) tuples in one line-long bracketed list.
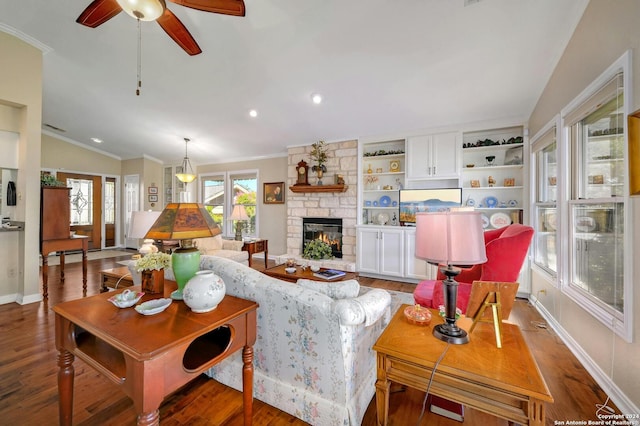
[(204, 291)]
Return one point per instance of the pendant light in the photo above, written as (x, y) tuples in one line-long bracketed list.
[(187, 175)]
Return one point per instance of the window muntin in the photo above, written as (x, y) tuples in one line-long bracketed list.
[(596, 210), (213, 198), (245, 188), (221, 192), (545, 166)]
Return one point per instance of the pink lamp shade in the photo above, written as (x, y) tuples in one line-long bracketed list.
[(450, 238)]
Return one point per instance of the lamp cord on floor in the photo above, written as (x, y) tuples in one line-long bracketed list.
[(120, 279), (424, 402)]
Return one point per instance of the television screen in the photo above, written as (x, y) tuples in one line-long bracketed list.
[(414, 201)]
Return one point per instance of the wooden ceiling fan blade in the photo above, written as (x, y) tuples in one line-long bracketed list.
[(225, 7), (178, 32), (99, 12)]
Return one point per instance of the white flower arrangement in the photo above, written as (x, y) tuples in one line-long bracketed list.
[(153, 261)]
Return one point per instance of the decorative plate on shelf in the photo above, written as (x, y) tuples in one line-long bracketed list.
[(471, 202), (485, 221), (394, 203), (491, 201), (385, 201), (375, 204), (367, 203), (585, 224), (383, 219), (500, 220)]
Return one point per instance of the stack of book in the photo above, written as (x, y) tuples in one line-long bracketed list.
[(446, 408), (329, 274)]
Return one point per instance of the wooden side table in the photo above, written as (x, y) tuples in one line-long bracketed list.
[(257, 247), (151, 357)]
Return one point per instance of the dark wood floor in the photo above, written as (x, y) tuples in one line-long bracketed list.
[(28, 369)]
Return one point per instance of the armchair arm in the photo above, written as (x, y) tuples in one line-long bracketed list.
[(366, 309), (232, 245)]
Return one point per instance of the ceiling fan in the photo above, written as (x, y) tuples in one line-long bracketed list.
[(100, 11)]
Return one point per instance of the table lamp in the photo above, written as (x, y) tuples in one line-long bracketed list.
[(184, 222), (450, 239), (239, 214), (139, 225)]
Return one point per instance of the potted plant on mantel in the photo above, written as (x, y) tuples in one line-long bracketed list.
[(151, 267), (319, 155)]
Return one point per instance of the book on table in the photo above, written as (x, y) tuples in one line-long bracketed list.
[(446, 408), (329, 274)]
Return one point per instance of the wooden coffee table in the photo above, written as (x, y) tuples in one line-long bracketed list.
[(503, 382), (151, 356), (280, 273)]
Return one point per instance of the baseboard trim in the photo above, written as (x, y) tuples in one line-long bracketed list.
[(615, 393)]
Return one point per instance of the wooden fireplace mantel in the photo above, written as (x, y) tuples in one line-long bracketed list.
[(319, 188)]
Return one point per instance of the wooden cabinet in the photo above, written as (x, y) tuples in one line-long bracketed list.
[(433, 156), (380, 250), (54, 213)]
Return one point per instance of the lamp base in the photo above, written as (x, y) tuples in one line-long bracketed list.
[(449, 334), (185, 262)]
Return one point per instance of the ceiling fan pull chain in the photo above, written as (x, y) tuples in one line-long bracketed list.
[(139, 58)]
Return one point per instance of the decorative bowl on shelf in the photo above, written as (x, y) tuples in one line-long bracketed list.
[(126, 299), (367, 203), (290, 270), (383, 219), (491, 201)]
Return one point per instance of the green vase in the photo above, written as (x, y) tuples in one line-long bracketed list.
[(185, 263)]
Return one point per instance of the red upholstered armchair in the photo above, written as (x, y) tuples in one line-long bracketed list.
[(506, 250)]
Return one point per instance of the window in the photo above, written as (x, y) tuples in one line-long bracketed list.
[(599, 270), (81, 201), (221, 192), (545, 167)]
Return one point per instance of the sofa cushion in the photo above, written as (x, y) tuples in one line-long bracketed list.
[(208, 244), (336, 290)]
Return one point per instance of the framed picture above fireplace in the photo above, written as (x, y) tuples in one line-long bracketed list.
[(273, 193)]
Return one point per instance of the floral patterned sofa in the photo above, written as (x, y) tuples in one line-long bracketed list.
[(313, 356)]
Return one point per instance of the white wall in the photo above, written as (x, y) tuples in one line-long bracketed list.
[(606, 31)]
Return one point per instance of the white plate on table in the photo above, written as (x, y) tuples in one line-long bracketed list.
[(153, 307)]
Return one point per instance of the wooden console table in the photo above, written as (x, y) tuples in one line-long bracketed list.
[(77, 242), (503, 382), (151, 356), (257, 247)]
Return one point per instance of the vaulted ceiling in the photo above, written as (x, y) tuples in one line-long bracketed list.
[(383, 67)]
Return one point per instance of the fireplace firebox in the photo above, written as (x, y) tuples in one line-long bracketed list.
[(328, 230)]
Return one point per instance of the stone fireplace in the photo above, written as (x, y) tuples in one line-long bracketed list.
[(328, 230), (342, 158)]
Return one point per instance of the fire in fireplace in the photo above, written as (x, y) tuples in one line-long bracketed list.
[(328, 230)]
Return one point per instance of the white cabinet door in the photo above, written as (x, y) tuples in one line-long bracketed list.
[(444, 154), (433, 156), (414, 267), (419, 157), (391, 252), (368, 250)]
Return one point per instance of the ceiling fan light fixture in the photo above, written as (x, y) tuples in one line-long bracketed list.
[(144, 10), (187, 175)]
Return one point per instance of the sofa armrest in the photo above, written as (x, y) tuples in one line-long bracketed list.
[(232, 245), (366, 309)]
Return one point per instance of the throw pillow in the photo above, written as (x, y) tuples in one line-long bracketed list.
[(206, 245), (336, 290)]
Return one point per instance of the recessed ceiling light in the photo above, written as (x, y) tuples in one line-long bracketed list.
[(316, 98), (96, 140), (253, 113)]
